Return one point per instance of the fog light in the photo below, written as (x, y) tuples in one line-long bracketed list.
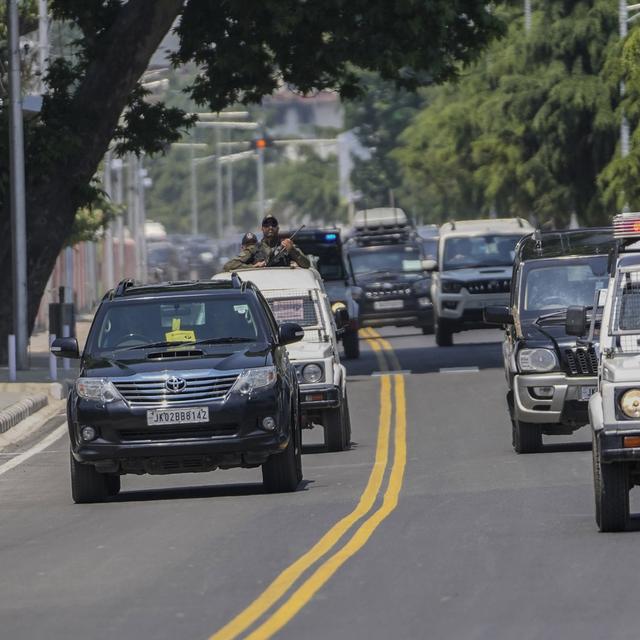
[(269, 424), (88, 433), (543, 392), (449, 304), (424, 302)]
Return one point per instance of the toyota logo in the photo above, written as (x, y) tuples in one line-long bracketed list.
[(175, 385)]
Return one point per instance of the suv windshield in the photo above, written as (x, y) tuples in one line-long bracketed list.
[(138, 324), (490, 250), (562, 283), (396, 259)]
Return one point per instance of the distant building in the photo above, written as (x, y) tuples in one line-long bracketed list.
[(295, 115)]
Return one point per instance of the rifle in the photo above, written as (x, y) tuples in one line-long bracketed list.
[(279, 250)]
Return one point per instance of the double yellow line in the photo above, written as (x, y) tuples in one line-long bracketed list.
[(372, 509)]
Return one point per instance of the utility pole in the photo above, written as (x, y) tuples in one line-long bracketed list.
[(229, 189), (43, 42), (527, 16), (219, 187), (108, 233), (260, 168), (18, 200), (194, 192)]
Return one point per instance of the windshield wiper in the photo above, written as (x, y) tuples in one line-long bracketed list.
[(226, 340), (174, 343)]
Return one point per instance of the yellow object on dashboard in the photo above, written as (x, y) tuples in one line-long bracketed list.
[(177, 335)]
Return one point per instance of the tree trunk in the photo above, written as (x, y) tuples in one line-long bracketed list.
[(53, 196)]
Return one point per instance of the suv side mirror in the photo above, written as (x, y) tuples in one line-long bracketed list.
[(289, 332), (65, 348), (429, 264), (576, 322), (497, 315)]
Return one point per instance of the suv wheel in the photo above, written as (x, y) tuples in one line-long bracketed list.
[(282, 472), (335, 426), (443, 331), (113, 484), (526, 436), (87, 485), (351, 345), (611, 489)]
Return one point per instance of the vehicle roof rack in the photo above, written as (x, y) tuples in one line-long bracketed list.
[(563, 242), (236, 281), (122, 286), (178, 286)]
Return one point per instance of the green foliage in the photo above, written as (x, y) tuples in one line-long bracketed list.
[(91, 221), (378, 118), (306, 189), (529, 129)]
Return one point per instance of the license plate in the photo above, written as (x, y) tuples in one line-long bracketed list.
[(587, 392), (184, 415), (388, 304)]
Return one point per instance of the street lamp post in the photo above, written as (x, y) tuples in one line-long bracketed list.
[(18, 201)]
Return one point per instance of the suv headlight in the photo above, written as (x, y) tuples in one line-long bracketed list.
[(451, 286), (99, 389), (251, 379), (312, 373), (537, 360), (421, 287), (630, 403)]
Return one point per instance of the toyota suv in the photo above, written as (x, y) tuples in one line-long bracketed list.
[(550, 374), (183, 377), (473, 270)]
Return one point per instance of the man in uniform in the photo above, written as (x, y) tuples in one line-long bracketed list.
[(247, 256), (269, 253)]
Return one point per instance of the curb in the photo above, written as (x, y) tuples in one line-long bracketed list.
[(29, 426), (20, 410)]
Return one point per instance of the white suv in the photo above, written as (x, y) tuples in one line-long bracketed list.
[(298, 295), (473, 270)]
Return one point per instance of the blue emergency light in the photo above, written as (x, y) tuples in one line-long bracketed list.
[(330, 236)]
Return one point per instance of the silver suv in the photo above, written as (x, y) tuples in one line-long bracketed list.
[(473, 270)]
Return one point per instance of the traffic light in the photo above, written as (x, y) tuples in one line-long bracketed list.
[(261, 143)]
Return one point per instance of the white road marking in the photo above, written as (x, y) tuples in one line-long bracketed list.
[(392, 372), (459, 370), (37, 448)]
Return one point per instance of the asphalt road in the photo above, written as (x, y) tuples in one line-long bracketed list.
[(430, 527)]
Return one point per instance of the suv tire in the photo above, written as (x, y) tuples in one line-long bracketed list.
[(351, 345), (443, 332), (113, 484), (527, 436), (282, 472), (336, 427), (87, 485), (611, 492)]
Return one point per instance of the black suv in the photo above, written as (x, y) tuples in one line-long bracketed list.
[(388, 267), (183, 377), (550, 374)]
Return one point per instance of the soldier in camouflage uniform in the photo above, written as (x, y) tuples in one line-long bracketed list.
[(246, 258), (265, 256)]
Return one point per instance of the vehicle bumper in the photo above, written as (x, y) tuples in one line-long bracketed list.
[(464, 310), (319, 396), (233, 437), (611, 445), (565, 406), (411, 315)]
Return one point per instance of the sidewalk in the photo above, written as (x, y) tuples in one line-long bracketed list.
[(34, 388)]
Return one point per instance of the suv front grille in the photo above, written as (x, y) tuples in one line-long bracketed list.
[(502, 285), (581, 361), (152, 392)]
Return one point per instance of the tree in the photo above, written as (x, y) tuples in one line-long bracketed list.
[(243, 50), (530, 128)]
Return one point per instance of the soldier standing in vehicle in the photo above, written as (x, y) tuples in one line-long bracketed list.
[(268, 252), (247, 256)]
